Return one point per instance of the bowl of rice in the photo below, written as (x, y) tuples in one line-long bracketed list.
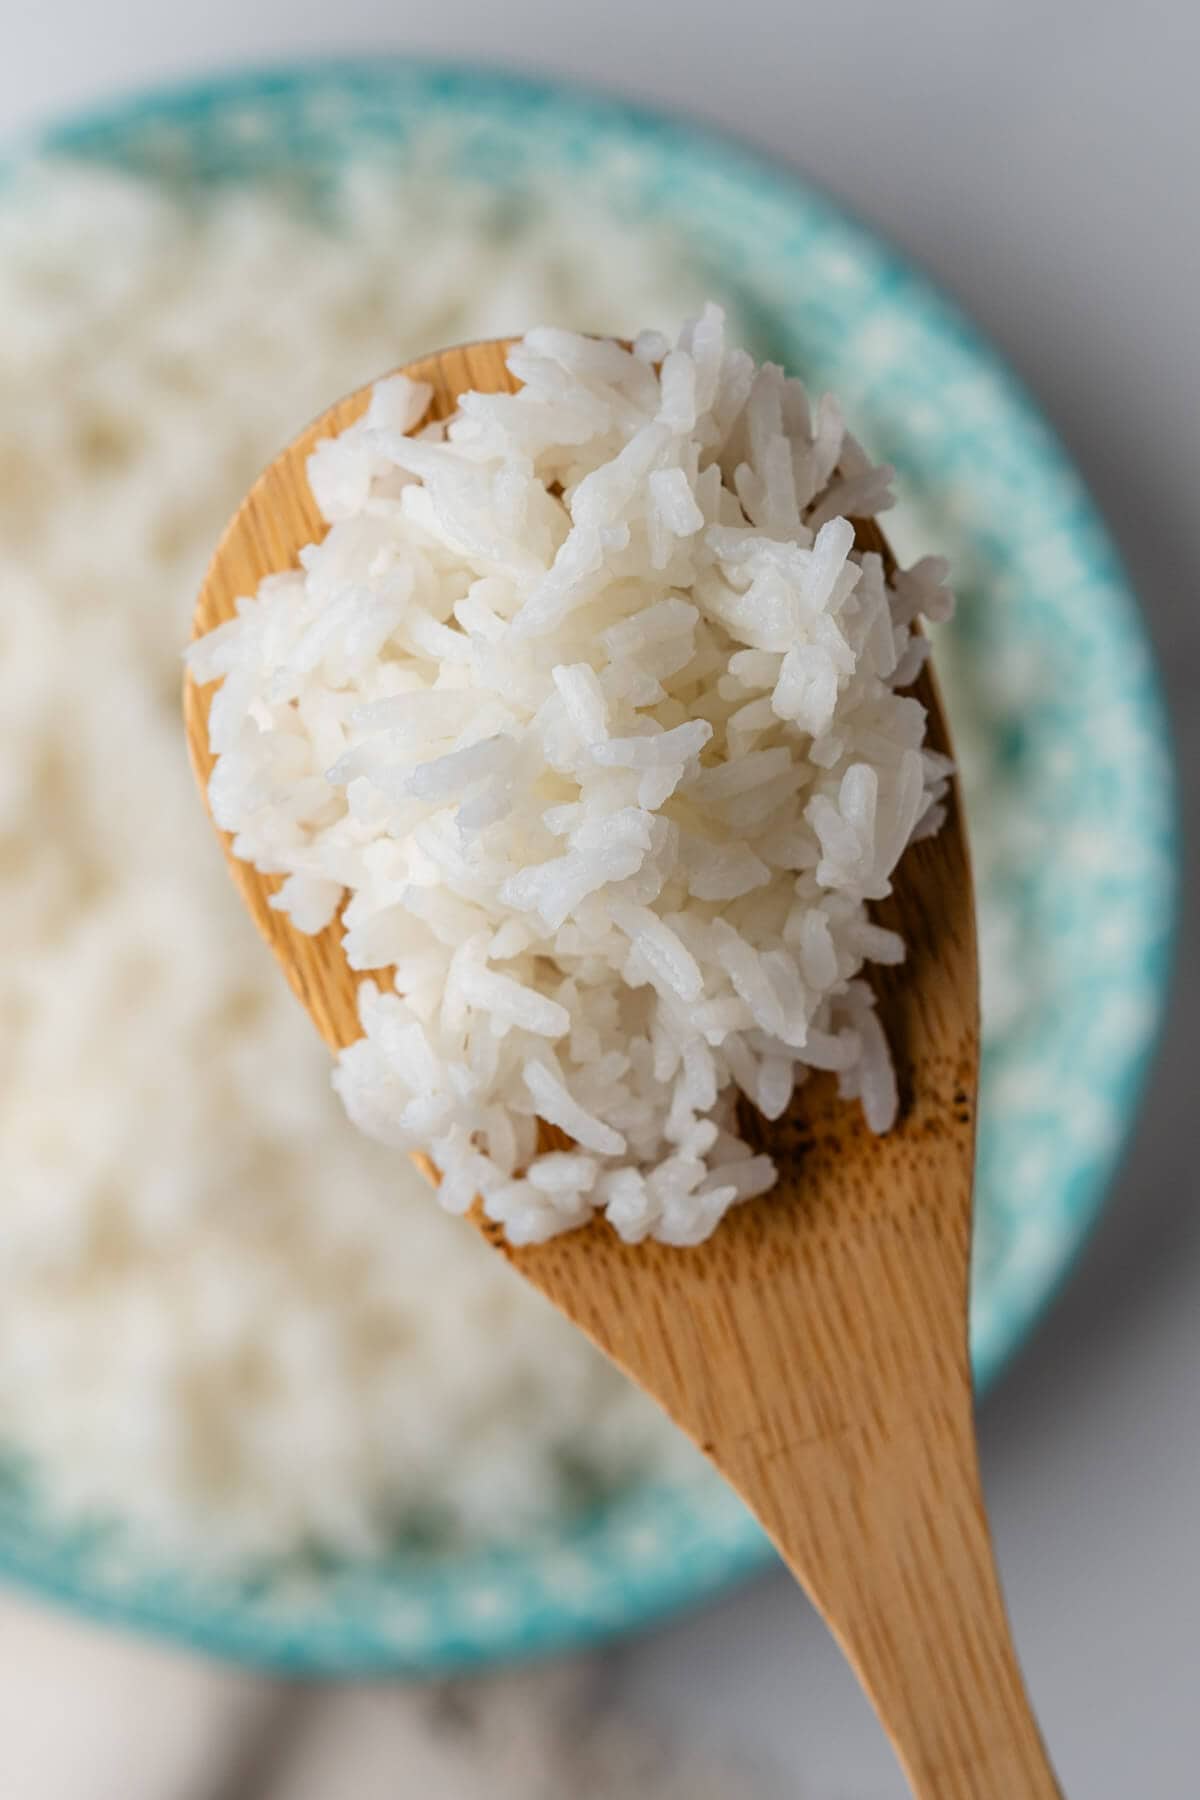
[(256, 1392)]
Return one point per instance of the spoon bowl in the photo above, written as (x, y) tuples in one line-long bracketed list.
[(815, 1347)]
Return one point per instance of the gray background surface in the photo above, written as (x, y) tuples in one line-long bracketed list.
[(1042, 162)]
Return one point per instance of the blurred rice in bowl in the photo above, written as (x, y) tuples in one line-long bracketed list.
[(256, 1390)]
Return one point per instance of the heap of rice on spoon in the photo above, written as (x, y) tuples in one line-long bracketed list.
[(586, 721)]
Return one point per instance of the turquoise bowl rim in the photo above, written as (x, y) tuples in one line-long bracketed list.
[(689, 1554)]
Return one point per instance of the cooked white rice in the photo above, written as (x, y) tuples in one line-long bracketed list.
[(226, 1317), (586, 720)]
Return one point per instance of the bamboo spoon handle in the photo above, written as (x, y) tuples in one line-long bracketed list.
[(867, 1477), (900, 1563)]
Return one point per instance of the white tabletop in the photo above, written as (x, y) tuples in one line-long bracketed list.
[(1042, 160)]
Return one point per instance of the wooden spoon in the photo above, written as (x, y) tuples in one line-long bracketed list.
[(816, 1346)]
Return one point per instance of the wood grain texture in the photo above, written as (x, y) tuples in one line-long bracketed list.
[(816, 1346)]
